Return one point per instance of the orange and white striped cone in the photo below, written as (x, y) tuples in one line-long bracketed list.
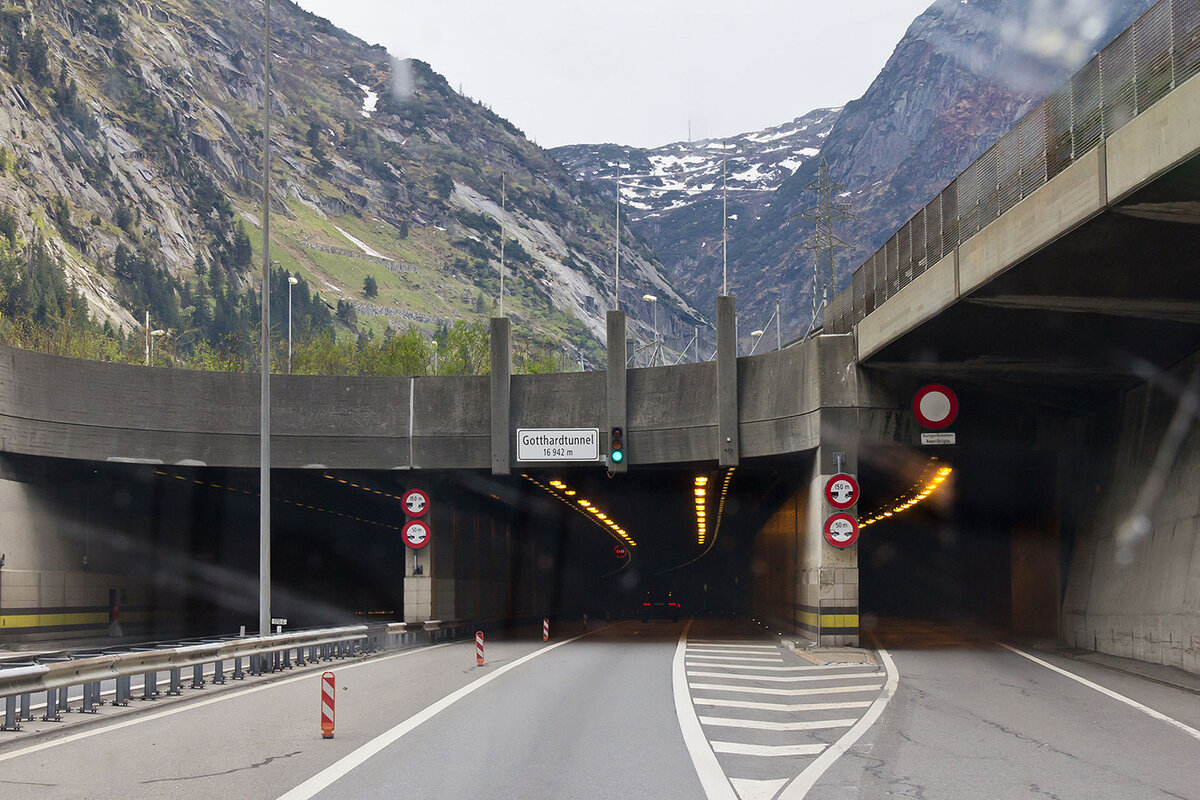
[(479, 648), (545, 629), (327, 698)]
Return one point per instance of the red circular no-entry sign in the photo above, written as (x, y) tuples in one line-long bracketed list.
[(841, 491), (841, 529), (935, 406), (416, 502), (416, 534), (619, 551)]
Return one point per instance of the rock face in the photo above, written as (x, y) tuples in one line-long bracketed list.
[(132, 127), (672, 194), (963, 74)]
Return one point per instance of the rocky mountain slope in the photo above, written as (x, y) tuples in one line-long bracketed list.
[(672, 194), (130, 140), (963, 74)]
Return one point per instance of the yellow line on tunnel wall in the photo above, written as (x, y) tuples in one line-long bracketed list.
[(828, 620)]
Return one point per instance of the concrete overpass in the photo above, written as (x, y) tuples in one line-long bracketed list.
[(1049, 286)]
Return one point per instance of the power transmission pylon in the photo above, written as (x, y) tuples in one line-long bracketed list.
[(823, 243)]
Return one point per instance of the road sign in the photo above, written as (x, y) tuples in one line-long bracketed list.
[(416, 502), (619, 551), (328, 697), (941, 437), (841, 491), (416, 534), (841, 529), (935, 406), (279, 620), (558, 444)]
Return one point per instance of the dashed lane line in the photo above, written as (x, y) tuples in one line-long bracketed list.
[(717, 687), (743, 749), (788, 707), (762, 725), (805, 668), (849, 676), (735, 659), (693, 651)]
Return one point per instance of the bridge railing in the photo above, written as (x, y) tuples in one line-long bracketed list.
[(1137, 69)]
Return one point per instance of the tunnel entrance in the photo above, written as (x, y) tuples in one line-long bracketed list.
[(961, 536)]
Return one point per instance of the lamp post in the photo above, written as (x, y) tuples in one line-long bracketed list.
[(757, 338), (654, 352), (435, 355), (150, 345), (292, 281)]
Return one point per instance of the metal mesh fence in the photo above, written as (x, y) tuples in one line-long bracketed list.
[(1138, 68)]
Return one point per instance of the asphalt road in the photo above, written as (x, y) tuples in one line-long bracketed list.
[(634, 710)]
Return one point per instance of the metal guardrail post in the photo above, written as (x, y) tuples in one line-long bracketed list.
[(149, 685), (11, 721), (63, 701), (176, 685), (238, 675), (219, 672), (198, 676), (27, 707), (51, 714), (124, 691)]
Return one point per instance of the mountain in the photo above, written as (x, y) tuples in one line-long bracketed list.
[(672, 194), (130, 155), (963, 74)]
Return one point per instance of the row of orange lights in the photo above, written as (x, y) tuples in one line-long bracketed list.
[(701, 493), (932, 479), (586, 507)]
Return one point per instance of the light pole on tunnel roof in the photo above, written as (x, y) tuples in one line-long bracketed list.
[(652, 299), (292, 281), (264, 447)]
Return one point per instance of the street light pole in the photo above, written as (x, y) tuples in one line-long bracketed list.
[(264, 434), (654, 350), (292, 281)]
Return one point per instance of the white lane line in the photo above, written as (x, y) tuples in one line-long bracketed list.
[(760, 725), (755, 789), (716, 687), (734, 642), (798, 788), (788, 707), (733, 659), (338, 769), (805, 668), (229, 694), (741, 749), (846, 676), (1120, 698), (699, 646), (712, 777), (707, 653)]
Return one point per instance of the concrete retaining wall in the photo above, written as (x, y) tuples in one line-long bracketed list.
[(1134, 590)]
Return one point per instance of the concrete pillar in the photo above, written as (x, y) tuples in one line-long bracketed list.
[(429, 587), (615, 391), (827, 594), (501, 394), (728, 448)]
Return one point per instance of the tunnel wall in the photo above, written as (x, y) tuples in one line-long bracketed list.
[(1137, 594), (44, 587)]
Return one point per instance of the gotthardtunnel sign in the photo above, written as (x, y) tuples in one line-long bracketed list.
[(558, 444)]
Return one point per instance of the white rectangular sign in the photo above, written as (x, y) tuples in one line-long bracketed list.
[(558, 444), (944, 437)]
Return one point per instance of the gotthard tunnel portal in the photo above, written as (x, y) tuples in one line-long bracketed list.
[(1057, 500)]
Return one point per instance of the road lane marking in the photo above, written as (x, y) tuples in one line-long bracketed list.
[(731, 645), (732, 659), (728, 643), (1158, 715), (866, 687), (229, 694), (712, 777), (789, 707), (799, 787), (721, 653), (760, 725), (805, 668), (742, 749), (338, 769), (753, 789), (783, 678)]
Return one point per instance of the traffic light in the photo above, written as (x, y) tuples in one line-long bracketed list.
[(616, 451)]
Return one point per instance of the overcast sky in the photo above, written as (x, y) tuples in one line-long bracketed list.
[(636, 71)]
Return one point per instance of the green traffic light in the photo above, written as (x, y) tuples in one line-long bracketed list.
[(618, 456)]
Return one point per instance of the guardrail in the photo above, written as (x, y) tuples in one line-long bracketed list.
[(57, 675), (1142, 65)]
